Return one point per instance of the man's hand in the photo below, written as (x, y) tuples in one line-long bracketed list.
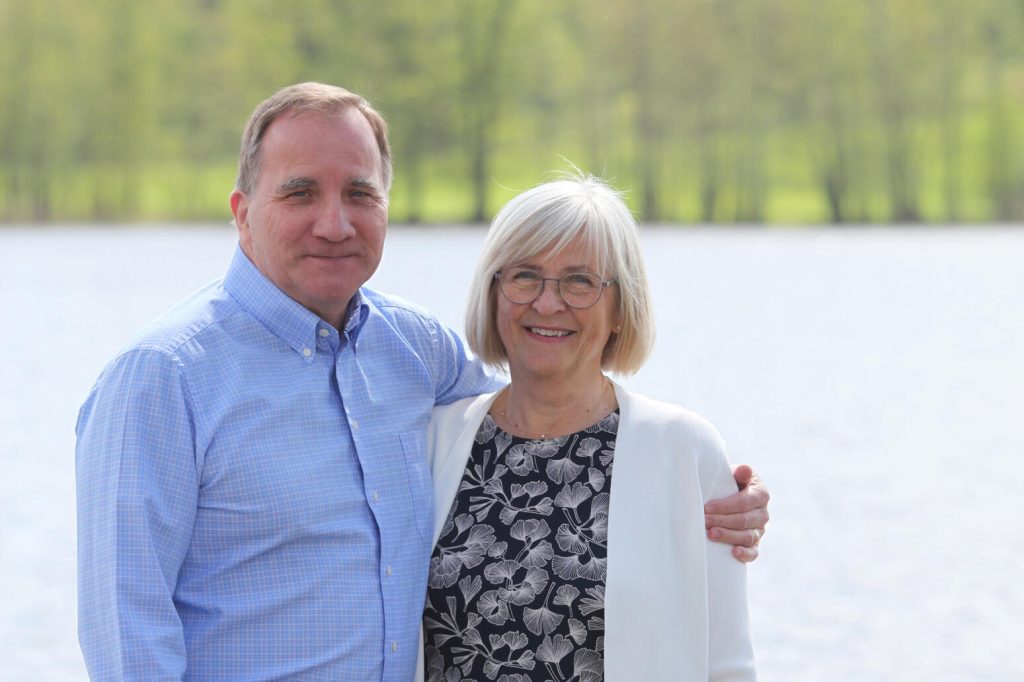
[(739, 519)]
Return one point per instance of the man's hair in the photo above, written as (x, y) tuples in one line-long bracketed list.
[(548, 218), (310, 96)]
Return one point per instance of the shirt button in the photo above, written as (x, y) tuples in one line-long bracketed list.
[(307, 352), (324, 332), (355, 424), (394, 645), (376, 496), (388, 570)]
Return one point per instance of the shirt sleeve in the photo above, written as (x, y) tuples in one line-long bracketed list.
[(137, 489), (459, 374), (730, 655)]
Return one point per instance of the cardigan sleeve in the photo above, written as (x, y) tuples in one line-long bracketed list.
[(730, 651)]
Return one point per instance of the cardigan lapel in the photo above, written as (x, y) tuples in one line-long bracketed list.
[(448, 466)]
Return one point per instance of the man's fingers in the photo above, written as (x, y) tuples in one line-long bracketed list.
[(739, 519), (745, 554), (742, 473), (755, 518), (740, 538), (754, 496)]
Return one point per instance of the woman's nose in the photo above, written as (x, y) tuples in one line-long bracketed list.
[(549, 299)]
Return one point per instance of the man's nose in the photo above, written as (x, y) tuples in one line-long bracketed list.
[(334, 222)]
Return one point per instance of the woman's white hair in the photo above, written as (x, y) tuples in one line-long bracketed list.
[(574, 209)]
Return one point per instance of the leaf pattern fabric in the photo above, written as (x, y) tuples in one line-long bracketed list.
[(516, 587)]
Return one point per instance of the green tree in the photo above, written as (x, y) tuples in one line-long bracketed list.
[(482, 29)]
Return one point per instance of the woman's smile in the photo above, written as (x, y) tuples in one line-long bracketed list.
[(549, 333)]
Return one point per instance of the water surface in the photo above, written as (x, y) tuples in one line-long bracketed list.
[(873, 377)]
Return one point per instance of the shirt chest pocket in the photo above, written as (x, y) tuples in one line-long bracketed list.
[(414, 449)]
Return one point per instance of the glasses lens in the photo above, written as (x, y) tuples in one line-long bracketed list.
[(521, 285), (580, 289)]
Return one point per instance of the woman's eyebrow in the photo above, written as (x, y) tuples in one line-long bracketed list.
[(568, 269)]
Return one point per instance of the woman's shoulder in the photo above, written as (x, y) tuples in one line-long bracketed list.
[(662, 422), (459, 408), (675, 434), (453, 417), (644, 411)]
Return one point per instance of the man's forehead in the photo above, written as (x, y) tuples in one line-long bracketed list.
[(354, 122), (299, 146)]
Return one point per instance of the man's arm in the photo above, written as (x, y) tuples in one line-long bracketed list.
[(459, 374), (137, 490), (740, 519)]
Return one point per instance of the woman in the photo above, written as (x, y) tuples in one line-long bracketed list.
[(570, 541)]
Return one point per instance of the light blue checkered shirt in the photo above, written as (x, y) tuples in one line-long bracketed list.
[(253, 497)]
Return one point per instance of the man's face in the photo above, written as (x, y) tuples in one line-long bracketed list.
[(315, 223)]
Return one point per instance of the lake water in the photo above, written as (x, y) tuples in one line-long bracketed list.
[(875, 378)]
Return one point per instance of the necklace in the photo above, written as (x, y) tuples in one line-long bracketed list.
[(587, 412)]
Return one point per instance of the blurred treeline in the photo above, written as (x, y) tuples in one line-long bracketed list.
[(793, 111)]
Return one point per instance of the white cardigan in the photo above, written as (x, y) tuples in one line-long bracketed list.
[(675, 603)]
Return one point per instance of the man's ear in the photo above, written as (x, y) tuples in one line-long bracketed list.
[(240, 210)]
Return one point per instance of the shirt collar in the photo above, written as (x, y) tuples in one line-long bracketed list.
[(285, 317), (358, 311)]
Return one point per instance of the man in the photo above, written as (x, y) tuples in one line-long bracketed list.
[(253, 497)]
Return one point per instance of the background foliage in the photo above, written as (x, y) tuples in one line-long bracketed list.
[(705, 110)]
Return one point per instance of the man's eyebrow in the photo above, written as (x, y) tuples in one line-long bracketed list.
[(364, 183), (292, 184)]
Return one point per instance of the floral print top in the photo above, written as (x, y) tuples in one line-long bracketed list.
[(516, 588)]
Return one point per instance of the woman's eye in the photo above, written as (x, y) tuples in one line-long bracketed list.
[(525, 276), (581, 279)]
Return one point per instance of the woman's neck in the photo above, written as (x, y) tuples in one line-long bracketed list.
[(550, 408)]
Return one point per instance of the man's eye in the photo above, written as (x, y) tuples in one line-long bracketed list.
[(300, 194)]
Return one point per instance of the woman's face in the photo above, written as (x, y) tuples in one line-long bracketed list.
[(547, 339)]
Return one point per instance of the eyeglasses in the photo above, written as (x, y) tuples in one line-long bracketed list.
[(577, 289)]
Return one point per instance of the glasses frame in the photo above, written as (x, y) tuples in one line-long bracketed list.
[(605, 283)]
